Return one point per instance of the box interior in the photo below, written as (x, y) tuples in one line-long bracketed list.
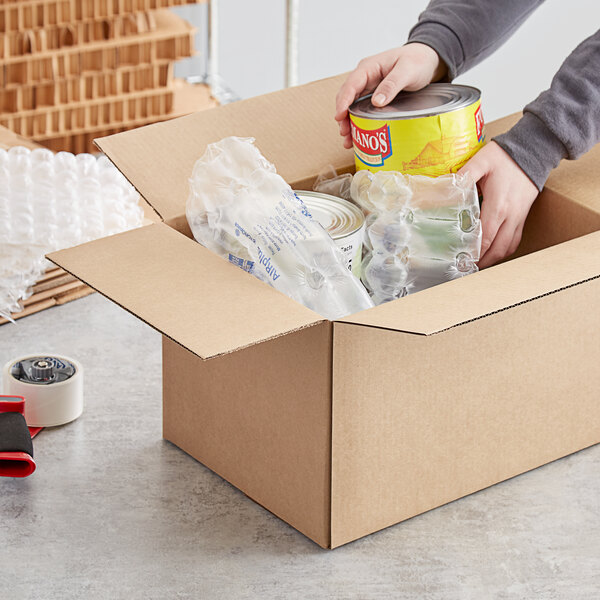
[(294, 129)]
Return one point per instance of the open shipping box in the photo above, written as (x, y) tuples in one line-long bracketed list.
[(344, 428)]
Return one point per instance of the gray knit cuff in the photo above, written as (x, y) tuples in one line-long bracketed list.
[(444, 41), (533, 147)]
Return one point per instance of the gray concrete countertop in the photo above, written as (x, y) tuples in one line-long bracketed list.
[(113, 511)]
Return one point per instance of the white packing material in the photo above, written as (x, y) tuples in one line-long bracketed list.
[(53, 201), (329, 182), (242, 210), (421, 231)]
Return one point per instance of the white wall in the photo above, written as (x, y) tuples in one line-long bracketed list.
[(336, 34)]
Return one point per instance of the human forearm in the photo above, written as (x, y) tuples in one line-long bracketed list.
[(464, 32), (564, 121)]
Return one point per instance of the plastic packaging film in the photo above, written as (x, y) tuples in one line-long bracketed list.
[(241, 209), (49, 202), (421, 231), (329, 182)]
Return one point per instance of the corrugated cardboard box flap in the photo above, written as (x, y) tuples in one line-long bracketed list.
[(184, 291), (8, 139), (158, 159), (489, 291), (500, 125)]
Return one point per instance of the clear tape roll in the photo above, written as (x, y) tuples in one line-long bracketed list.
[(47, 404)]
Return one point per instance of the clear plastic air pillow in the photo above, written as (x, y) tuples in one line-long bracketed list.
[(239, 208), (421, 231)]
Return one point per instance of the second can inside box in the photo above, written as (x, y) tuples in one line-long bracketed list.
[(342, 220)]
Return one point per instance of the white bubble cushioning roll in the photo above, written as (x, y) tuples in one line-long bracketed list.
[(53, 201)]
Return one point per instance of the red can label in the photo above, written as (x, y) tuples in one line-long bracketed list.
[(479, 123), (372, 146)]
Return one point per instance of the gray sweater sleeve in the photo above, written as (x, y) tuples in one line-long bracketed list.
[(563, 122)]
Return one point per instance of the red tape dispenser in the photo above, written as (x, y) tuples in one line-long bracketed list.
[(16, 447)]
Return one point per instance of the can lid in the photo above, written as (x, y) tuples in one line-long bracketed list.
[(435, 99), (336, 215)]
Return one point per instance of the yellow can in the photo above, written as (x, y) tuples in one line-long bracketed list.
[(430, 132)]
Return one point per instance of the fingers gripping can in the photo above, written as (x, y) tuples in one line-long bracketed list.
[(344, 222), (430, 132)]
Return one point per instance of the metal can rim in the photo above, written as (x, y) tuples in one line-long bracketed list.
[(470, 99), (349, 206)]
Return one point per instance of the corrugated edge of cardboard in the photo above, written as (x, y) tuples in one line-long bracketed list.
[(318, 321), (468, 299), (54, 288)]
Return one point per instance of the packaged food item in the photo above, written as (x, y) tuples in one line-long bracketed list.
[(342, 220), (241, 209), (421, 231), (433, 131)]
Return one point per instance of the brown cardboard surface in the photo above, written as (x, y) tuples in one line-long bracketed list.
[(187, 99), (30, 310), (52, 37), (23, 15), (75, 294), (168, 24), (59, 279), (8, 139), (51, 273), (500, 125), (260, 418), (183, 290), (490, 290), (158, 159), (16, 97), (52, 292), (103, 113), (440, 417), (554, 219)]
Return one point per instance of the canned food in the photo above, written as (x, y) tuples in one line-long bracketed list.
[(430, 132), (344, 222)]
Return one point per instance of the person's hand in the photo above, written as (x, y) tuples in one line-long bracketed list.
[(507, 198), (409, 67)]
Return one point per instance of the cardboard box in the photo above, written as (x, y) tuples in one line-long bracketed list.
[(344, 428), (8, 139)]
